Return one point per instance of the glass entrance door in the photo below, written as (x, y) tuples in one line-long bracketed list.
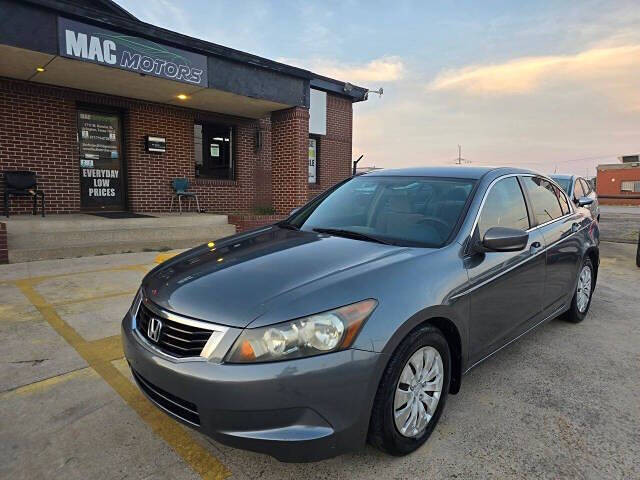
[(101, 167)]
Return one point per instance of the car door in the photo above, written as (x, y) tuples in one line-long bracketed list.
[(558, 223), (506, 287)]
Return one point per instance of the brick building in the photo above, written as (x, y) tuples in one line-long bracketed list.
[(108, 110), (619, 183)]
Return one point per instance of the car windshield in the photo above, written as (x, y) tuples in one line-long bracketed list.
[(565, 183), (408, 211)]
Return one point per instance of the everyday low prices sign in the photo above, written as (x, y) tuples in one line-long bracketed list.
[(100, 162), (97, 45)]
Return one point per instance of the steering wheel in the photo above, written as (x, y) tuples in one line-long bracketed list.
[(442, 227)]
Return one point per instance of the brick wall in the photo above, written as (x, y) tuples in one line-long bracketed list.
[(38, 133), (150, 174), (609, 186), (38, 130), (249, 222), (334, 159)]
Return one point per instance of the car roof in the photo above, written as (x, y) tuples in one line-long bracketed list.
[(451, 171), (563, 176)]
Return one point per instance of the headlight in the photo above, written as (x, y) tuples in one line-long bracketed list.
[(320, 333)]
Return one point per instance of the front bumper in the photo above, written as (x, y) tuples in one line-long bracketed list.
[(297, 410)]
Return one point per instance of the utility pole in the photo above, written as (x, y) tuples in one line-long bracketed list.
[(459, 155)]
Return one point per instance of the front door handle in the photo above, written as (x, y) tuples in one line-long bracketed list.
[(535, 246), (574, 227)]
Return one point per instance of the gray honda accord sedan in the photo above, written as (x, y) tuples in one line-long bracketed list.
[(354, 318)]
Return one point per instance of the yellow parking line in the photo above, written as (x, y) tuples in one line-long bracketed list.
[(90, 299), (42, 385), (98, 354), (108, 348), (163, 257), (40, 278)]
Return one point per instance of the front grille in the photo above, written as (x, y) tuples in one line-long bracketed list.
[(183, 409), (176, 339)]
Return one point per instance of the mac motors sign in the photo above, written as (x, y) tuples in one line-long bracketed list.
[(111, 49)]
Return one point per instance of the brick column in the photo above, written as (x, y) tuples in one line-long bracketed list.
[(289, 158)]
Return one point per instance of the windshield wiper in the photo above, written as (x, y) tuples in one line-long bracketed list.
[(288, 226), (351, 234)]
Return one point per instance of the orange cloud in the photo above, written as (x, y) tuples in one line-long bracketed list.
[(610, 67), (379, 70)]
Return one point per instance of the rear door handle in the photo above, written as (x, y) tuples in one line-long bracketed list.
[(574, 227)]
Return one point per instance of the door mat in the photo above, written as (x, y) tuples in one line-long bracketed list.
[(121, 215)]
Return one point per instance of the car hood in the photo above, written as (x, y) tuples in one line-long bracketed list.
[(230, 282)]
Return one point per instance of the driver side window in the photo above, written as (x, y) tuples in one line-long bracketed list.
[(504, 207)]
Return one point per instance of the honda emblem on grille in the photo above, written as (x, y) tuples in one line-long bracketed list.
[(154, 329)]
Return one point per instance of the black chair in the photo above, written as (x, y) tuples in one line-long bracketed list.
[(22, 183)]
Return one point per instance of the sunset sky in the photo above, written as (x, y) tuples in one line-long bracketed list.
[(545, 85)]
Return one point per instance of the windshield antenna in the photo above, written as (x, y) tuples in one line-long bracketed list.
[(355, 164)]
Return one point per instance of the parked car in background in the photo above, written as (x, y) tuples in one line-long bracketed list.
[(578, 188), (355, 317)]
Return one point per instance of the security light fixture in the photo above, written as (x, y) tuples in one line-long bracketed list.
[(379, 92)]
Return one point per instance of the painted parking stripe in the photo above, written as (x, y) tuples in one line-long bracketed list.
[(99, 354)]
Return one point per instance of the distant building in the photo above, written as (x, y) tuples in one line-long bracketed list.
[(619, 183), (630, 158)]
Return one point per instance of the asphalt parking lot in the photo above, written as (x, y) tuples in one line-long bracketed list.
[(620, 223), (560, 403)]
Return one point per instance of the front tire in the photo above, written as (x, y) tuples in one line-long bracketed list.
[(581, 300), (412, 392)]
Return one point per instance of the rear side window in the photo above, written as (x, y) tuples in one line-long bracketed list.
[(564, 205), (586, 186), (504, 207), (546, 206)]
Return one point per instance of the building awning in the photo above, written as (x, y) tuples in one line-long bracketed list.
[(24, 64), (65, 44)]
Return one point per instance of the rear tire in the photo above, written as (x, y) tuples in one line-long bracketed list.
[(406, 382), (579, 303)]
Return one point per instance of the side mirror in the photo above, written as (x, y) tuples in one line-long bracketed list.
[(294, 211), (502, 239), (584, 201)]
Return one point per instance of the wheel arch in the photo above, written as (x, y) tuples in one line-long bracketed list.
[(452, 335), (594, 255), (443, 320)]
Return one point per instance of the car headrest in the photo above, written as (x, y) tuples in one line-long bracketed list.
[(400, 204), (459, 194)]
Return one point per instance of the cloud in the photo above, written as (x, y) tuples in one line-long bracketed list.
[(609, 67), (379, 70)]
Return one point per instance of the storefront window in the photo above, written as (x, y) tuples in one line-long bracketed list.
[(213, 146)]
